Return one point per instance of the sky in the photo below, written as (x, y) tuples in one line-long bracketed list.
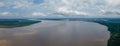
[(59, 8)]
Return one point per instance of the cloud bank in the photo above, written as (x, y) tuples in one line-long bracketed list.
[(59, 8)]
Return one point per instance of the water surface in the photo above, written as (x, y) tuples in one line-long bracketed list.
[(56, 33)]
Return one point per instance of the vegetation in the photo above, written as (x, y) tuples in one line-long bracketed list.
[(114, 28), (4, 23)]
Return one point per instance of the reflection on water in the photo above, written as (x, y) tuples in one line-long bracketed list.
[(56, 33)]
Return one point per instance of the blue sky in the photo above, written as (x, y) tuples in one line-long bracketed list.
[(59, 8)]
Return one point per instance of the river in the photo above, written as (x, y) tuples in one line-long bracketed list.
[(56, 33)]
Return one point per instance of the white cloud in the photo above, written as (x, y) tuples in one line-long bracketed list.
[(65, 10), (112, 12), (22, 4), (5, 13), (38, 14), (1, 4), (64, 7), (113, 2), (9, 15)]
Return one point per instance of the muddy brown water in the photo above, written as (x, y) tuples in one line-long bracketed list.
[(56, 33)]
